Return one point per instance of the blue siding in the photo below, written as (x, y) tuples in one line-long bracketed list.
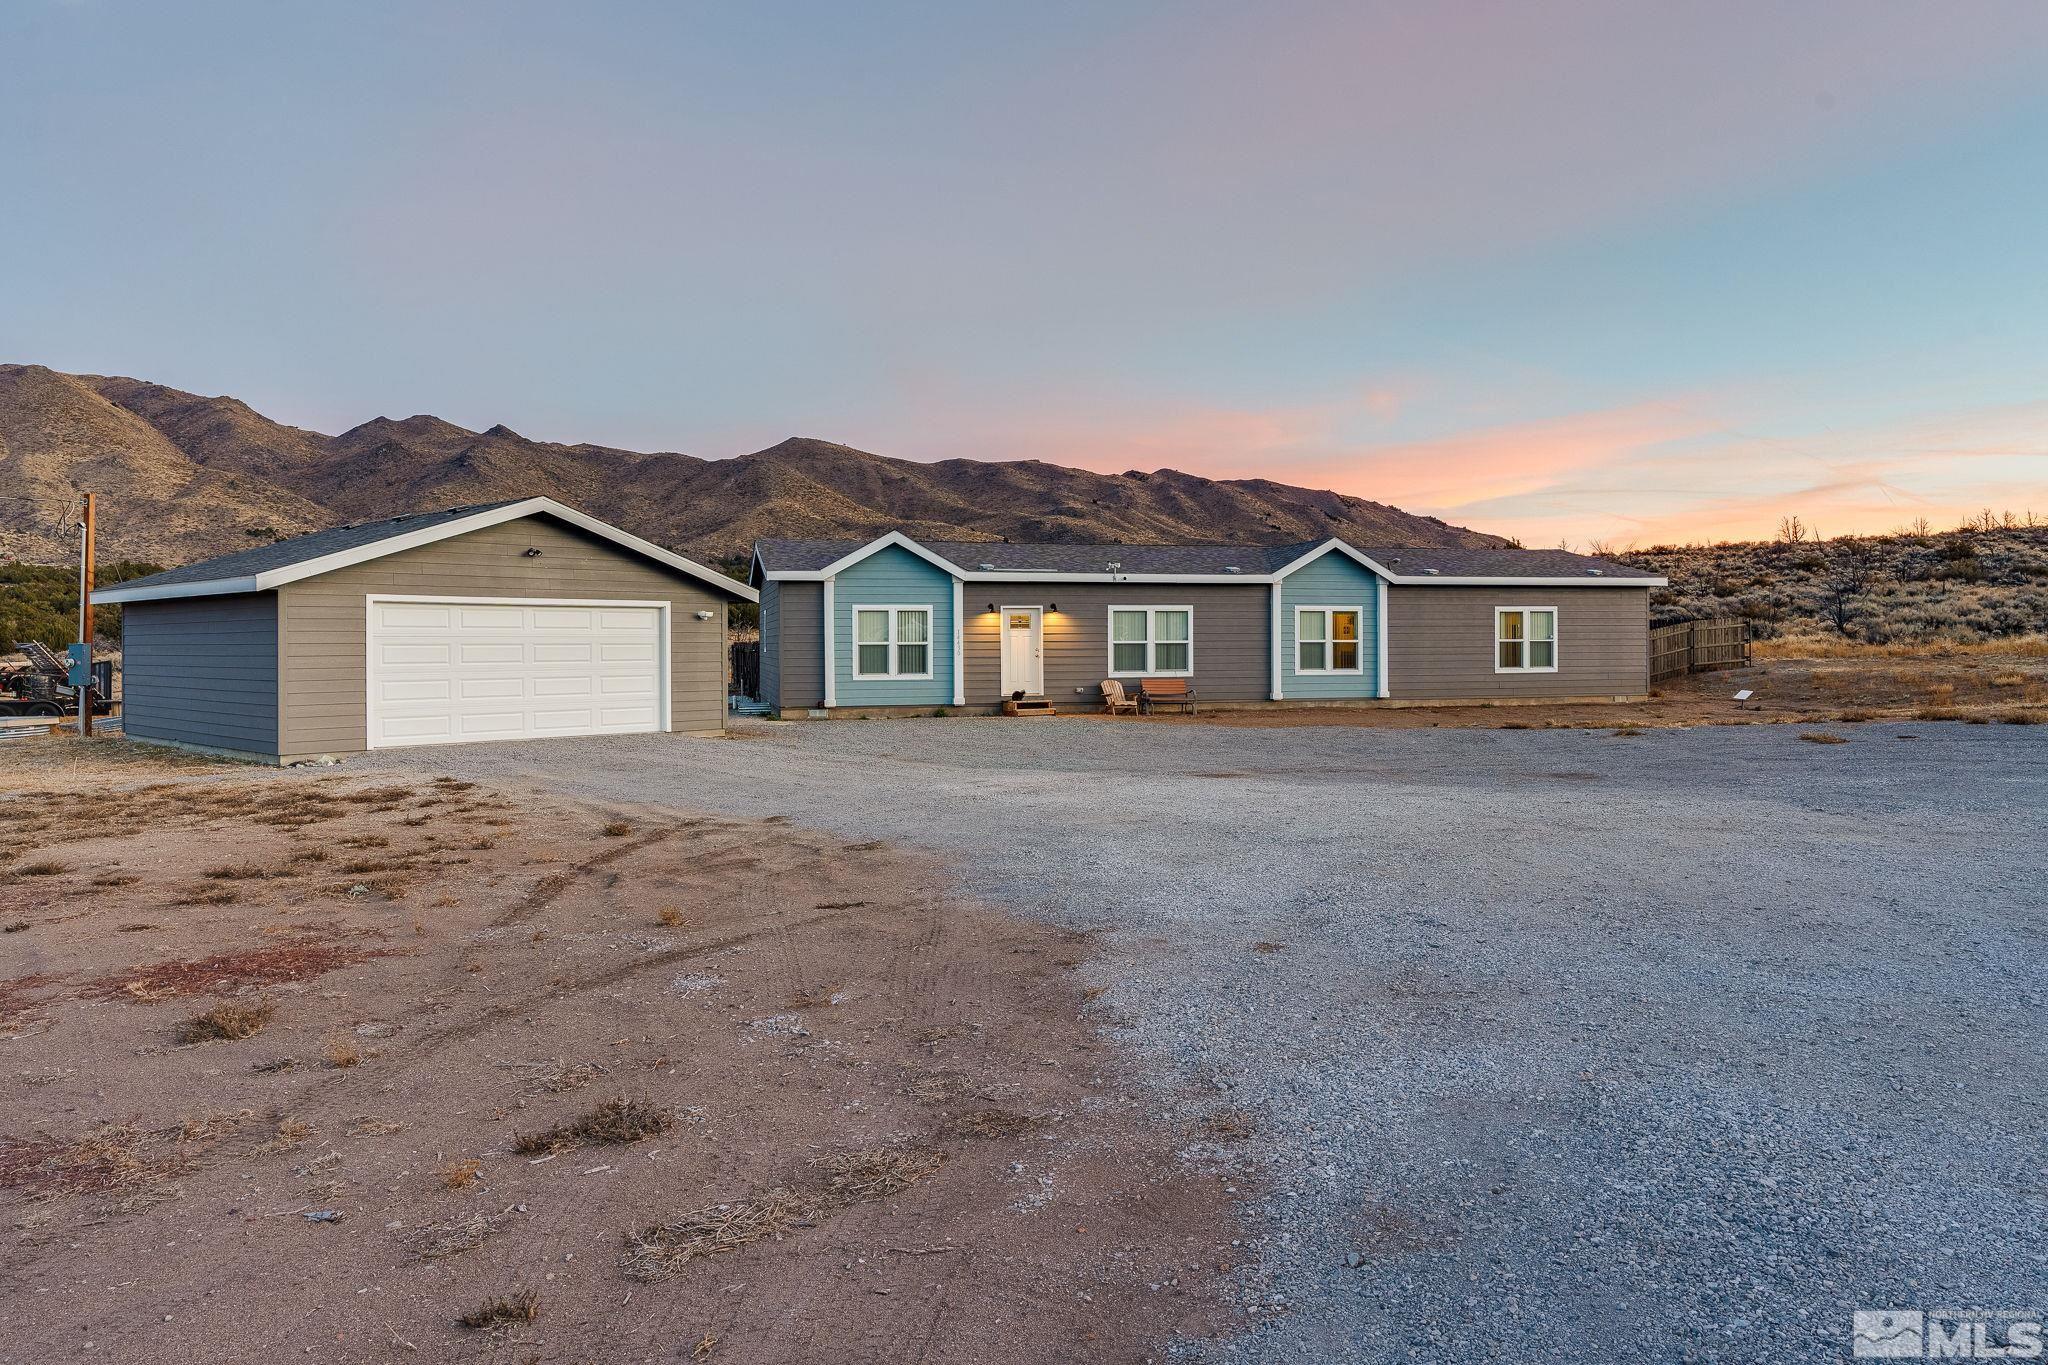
[(771, 644), (1335, 580), (893, 578)]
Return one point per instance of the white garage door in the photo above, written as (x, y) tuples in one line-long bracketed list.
[(449, 672)]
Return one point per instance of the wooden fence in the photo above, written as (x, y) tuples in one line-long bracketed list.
[(746, 668), (1697, 646)]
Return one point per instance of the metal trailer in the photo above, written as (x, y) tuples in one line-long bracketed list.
[(42, 687)]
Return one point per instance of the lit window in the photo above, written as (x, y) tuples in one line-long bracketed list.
[(1151, 641), (892, 642), (1525, 640), (1326, 639)]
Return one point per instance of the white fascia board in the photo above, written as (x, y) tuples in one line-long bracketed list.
[(1405, 580), (895, 539), (391, 545), (218, 587), (1588, 581)]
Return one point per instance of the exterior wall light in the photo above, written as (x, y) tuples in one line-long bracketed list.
[(703, 616), (532, 553)]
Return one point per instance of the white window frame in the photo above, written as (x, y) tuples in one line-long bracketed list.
[(1328, 641), (1152, 642), (1556, 645), (895, 641)]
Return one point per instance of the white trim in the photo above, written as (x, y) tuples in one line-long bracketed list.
[(831, 655), (412, 540), (1556, 649), (894, 644), (959, 650), (1152, 640), (1380, 630), (1003, 646), (875, 546), (1329, 640), (1404, 580), (1273, 647), (665, 624)]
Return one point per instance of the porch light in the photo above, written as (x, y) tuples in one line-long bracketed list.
[(1053, 607), (991, 609)]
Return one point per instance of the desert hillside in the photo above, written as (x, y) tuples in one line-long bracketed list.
[(184, 476), (1983, 582)]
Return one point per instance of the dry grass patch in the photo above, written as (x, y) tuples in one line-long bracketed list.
[(227, 1022), (617, 829), (850, 1178), (1822, 737), (876, 1172), (668, 917), (2024, 718), (1267, 946), (613, 1121), (452, 1237), (209, 895), (369, 1125), (989, 1123), (289, 1133), (340, 1051), (46, 867), (236, 873), (666, 1248), (460, 1175), (521, 1305)]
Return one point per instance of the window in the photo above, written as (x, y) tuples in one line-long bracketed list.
[(1326, 640), (1151, 641), (1525, 639), (892, 642)]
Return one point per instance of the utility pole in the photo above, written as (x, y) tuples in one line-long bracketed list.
[(85, 577)]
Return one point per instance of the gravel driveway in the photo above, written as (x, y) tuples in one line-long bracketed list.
[(1573, 1047)]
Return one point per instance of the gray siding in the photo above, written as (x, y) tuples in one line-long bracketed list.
[(202, 670), (771, 652), (322, 623), (1440, 643), (1231, 630), (799, 643)]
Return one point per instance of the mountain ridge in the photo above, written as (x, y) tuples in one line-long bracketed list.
[(183, 477)]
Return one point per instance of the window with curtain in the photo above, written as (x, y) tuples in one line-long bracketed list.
[(1525, 640), (1151, 640), (1326, 639), (892, 642)]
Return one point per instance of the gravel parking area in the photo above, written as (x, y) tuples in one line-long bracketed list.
[(1559, 1045)]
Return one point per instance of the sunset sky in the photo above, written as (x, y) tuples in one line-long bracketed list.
[(1633, 271)]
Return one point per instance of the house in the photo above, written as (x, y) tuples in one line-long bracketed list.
[(895, 623), (504, 620)]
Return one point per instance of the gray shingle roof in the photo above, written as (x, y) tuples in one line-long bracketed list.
[(299, 549), (809, 556)]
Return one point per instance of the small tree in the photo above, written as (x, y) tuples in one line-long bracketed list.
[(1852, 569), (1791, 529)]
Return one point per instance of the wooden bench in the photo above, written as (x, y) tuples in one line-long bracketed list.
[(1154, 693)]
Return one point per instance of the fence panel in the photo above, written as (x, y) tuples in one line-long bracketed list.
[(1695, 646), (746, 668)]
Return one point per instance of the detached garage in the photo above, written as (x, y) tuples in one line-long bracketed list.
[(513, 620)]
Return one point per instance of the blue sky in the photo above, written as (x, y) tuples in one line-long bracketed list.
[(1626, 271)]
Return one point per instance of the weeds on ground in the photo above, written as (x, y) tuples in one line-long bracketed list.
[(47, 867), (289, 1134), (850, 1178), (521, 1305), (464, 1232), (1228, 1125), (668, 917), (341, 1051), (1822, 737), (227, 1022), (617, 829), (989, 1123), (460, 1175), (613, 1121)]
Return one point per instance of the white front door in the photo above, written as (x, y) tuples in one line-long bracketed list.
[(457, 670), (1023, 651)]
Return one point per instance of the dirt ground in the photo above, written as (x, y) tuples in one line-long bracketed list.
[(1980, 687), (704, 1089)]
